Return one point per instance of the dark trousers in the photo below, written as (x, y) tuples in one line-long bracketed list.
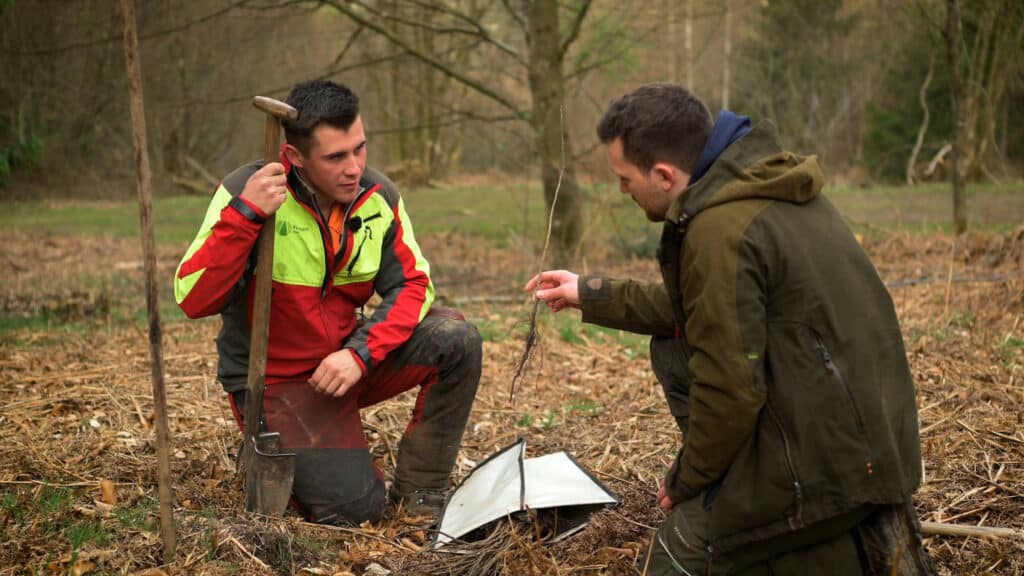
[(674, 376), (874, 540), (884, 540), (336, 480)]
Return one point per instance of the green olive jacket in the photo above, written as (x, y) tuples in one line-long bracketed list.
[(802, 405)]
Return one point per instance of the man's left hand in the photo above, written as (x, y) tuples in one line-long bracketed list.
[(336, 374), (663, 499)]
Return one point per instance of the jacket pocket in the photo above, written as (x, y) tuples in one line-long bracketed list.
[(818, 410), (762, 494), (796, 518)]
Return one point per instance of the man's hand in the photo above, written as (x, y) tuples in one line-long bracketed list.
[(664, 502), (336, 374), (559, 289), (267, 188)]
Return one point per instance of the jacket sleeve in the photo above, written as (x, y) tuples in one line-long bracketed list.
[(724, 297), (217, 257), (631, 305), (403, 282)]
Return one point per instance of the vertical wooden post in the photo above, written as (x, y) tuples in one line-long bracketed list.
[(131, 53)]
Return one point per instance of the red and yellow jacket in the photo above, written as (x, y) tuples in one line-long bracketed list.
[(316, 290)]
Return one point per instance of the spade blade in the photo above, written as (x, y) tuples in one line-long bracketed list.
[(268, 484)]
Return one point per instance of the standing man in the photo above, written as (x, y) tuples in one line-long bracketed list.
[(342, 235), (777, 346)]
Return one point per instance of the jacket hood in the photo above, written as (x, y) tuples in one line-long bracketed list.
[(754, 166), (728, 128)]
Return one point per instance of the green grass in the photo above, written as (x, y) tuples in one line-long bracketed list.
[(929, 207), (12, 505), (95, 303), (492, 330), (500, 214), (505, 211), (317, 546), (86, 531), (138, 517), (569, 329), (1007, 348), (583, 406), (175, 219), (54, 500), (545, 421)]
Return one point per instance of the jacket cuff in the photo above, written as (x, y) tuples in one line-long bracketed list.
[(594, 288), (364, 363), (247, 209), (675, 488), (595, 294)]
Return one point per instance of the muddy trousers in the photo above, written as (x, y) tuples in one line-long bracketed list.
[(336, 480), (880, 540)]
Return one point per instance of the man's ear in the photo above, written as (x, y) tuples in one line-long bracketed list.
[(665, 175), (294, 155)]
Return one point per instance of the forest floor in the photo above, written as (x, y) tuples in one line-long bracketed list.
[(78, 462)]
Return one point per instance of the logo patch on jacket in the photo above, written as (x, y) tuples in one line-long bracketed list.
[(286, 228)]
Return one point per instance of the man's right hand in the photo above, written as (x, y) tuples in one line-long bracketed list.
[(267, 188), (559, 289)]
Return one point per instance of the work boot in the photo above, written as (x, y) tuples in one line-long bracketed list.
[(419, 502)]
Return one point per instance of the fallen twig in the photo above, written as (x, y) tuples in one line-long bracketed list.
[(246, 552), (943, 529)]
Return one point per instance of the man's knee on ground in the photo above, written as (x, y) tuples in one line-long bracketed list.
[(338, 486), (368, 507)]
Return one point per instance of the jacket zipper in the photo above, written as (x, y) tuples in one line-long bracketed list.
[(832, 368), (796, 520), (341, 248), (355, 257)]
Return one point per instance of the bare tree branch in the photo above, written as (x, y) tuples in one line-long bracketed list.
[(477, 30), (345, 8), (348, 44), (517, 17), (454, 119), (283, 89), (574, 28), (117, 38)]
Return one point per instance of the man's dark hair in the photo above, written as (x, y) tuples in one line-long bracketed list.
[(658, 123), (319, 102)]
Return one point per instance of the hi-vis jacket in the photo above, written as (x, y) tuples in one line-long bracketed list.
[(315, 292)]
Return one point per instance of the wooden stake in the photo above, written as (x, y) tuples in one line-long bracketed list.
[(131, 54)]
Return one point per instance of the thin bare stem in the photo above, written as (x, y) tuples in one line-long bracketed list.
[(531, 336)]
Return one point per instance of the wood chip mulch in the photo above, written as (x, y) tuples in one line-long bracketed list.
[(78, 461)]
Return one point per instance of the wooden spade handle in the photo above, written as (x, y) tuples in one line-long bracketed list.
[(276, 111)]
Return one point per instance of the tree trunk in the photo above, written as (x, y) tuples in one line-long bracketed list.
[(973, 86), (688, 41), (671, 8), (399, 142), (727, 54), (954, 44), (547, 91)]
